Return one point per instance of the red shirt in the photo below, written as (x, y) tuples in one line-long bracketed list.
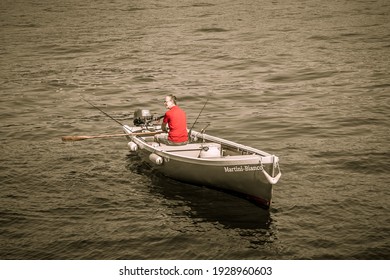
[(177, 123)]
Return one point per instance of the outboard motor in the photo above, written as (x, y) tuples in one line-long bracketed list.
[(142, 117)]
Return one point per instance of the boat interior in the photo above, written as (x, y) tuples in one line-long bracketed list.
[(200, 148), (201, 145)]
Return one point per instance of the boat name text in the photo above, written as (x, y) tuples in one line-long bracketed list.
[(242, 168)]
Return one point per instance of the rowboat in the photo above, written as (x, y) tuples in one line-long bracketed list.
[(207, 161)]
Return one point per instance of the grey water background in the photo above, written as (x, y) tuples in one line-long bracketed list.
[(306, 80)]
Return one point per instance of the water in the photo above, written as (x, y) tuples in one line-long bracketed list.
[(305, 80)]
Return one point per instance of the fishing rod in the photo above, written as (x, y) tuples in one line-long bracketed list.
[(115, 120), (189, 133)]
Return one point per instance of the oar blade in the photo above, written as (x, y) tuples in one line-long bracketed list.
[(74, 138)]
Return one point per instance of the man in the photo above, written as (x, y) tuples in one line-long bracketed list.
[(174, 119)]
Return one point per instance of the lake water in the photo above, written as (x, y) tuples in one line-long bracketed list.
[(308, 81)]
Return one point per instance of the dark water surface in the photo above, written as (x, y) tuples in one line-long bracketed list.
[(308, 81)]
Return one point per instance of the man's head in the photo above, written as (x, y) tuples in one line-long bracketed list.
[(170, 101)]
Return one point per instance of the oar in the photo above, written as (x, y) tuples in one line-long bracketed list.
[(84, 137)]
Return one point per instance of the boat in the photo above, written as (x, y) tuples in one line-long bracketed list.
[(206, 161)]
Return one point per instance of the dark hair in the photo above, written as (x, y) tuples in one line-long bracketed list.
[(173, 98)]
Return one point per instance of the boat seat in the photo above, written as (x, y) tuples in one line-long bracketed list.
[(203, 150), (199, 150), (187, 147)]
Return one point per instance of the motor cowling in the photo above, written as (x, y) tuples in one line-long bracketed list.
[(142, 117)]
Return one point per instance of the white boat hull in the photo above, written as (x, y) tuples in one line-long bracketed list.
[(212, 162)]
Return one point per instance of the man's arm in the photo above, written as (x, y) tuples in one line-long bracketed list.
[(164, 127)]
